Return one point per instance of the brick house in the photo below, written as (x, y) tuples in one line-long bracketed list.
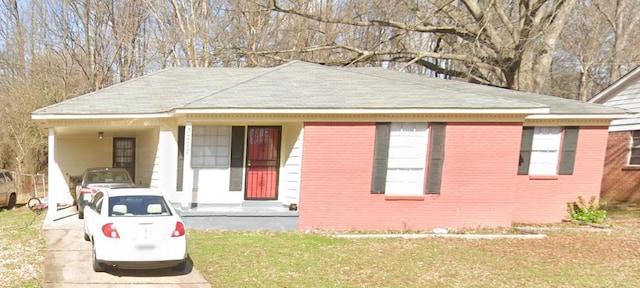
[(621, 180), (353, 148)]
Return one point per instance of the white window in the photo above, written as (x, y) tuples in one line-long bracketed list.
[(407, 159), (545, 151), (211, 146)]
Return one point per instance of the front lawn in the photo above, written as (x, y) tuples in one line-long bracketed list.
[(22, 248), (563, 259), (264, 259)]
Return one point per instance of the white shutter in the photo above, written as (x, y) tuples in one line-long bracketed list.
[(545, 151), (407, 159)]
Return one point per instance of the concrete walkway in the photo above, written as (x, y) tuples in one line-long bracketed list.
[(68, 262)]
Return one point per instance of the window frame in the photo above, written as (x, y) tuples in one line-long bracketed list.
[(401, 167), (633, 147), (538, 149), (566, 141), (209, 150), (432, 158)]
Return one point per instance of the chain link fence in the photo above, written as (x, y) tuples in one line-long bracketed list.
[(31, 185)]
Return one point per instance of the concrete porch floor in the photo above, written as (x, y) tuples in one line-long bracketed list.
[(249, 215)]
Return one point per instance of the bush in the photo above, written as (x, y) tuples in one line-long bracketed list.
[(587, 212)]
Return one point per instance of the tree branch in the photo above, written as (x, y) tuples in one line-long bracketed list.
[(384, 23)]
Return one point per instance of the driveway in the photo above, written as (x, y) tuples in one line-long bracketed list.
[(68, 262)]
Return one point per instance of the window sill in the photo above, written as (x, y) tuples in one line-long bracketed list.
[(404, 198), (630, 168), (546, 177)]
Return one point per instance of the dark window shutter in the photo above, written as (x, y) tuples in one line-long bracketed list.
[(569, 145), (380, 158), (237, 160), (180, 142), (180, 158), (436, 158), (525, 150)]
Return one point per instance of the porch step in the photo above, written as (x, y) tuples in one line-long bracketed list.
[(262, 204), (245, 223), (269, 216), (274, 209)]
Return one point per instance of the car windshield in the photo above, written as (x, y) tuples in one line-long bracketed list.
[(107, 176), (138, 205)]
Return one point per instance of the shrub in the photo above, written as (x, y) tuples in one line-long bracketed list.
[(587, 212)]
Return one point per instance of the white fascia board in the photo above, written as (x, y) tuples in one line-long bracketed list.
[(577, 116), (624, 127), (99, 116), (626, 121), (366, 111)]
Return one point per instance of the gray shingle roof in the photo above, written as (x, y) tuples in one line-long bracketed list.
[(301, 85)]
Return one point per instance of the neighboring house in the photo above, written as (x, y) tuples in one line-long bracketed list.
[(621, 180), (353, 148)]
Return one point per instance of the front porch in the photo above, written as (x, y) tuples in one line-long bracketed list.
[(248, 215)]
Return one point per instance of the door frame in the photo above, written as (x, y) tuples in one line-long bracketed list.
[(132, 168), (277, 164)]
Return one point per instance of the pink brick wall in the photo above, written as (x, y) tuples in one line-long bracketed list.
[(480, 185), (545, 201), (620, 183)]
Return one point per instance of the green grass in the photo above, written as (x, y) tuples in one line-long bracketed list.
[(296, 259), (563, 259), (22, 248)]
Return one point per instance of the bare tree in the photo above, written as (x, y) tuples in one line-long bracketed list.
[(597, 47), (28, 81), (12, 33), (622, 16), (503, 42), (581, 53), (184, 32)]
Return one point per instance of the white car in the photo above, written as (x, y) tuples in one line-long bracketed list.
[(134, 228)]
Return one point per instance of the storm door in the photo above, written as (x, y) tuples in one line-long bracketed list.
[(263, 154), (124, 154)]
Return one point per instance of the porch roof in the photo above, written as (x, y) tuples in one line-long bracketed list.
[(303, 86)]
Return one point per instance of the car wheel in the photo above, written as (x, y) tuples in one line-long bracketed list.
[(86, 237), (12, 201), (180, 266), (97, 266)]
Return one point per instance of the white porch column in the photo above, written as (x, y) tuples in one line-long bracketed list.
[(58, 189), (187, 174), (166, 166)]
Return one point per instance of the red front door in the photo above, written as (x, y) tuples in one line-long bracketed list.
[(263, 154)]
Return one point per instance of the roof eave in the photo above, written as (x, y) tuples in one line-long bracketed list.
[(610, 91), (360, 111), (611, 116), (100, 116)]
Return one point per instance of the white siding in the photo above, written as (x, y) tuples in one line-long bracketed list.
[(628, 98), (291, 173), (212, 186)]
